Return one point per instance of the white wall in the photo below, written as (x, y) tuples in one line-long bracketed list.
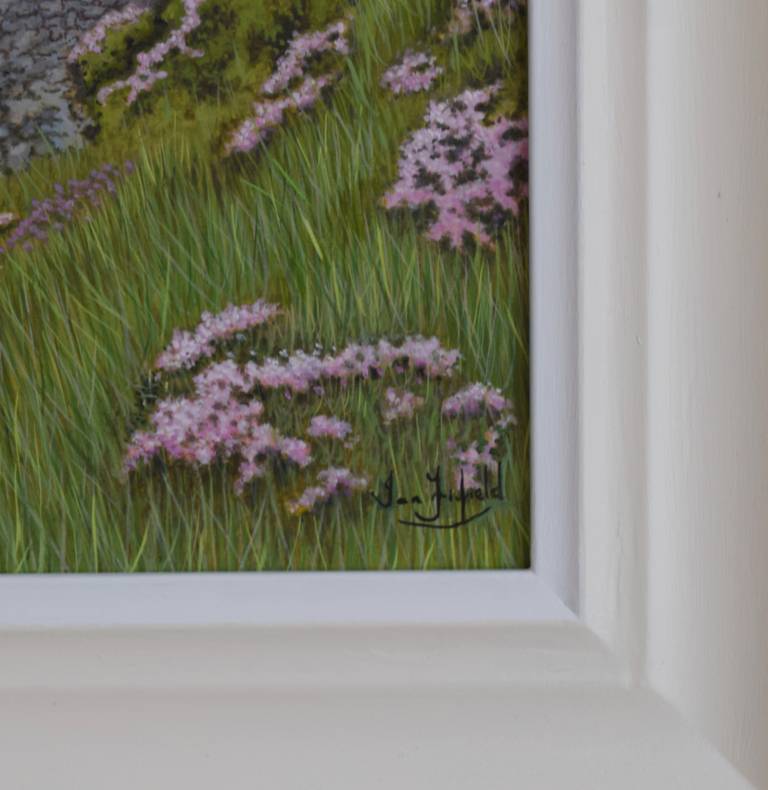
[(707, 611)]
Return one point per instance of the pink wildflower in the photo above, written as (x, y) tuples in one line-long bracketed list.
[(186, 348), (301, 49), (64, 206), (269, 114), (465, 168), (332, 482), (476, 400), (415, 72), (147, 73), (301, 371), (467, 12), (92, 40), (296, 450), (200, 430), (246, 473), (400, 405), (222, 418), (330, 427), (472, 460)]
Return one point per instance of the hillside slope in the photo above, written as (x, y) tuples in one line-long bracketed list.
[(309, 219)]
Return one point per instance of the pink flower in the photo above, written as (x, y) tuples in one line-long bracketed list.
[(222, 419), (301, 49), (66, 204), (146, 74), (269, 114), (332, 482), (186, 348), (92, 40), (301, 372), (475, 400), (247, 472), (400, 405), (415, 72), (200, 430), (467, 12), (296, 450), (330, 427), (472, 460), (470, 172)]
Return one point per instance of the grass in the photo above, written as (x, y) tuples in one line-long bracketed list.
[(300, 224)]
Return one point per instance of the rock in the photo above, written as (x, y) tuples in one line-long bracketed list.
[(35, 85), (18, 155)]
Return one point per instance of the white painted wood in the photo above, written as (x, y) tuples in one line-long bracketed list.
[(554, 327), (307, 658), (708, 369), (193, 599), (260, 599), (408, 738), (612, 315), (673, 252)]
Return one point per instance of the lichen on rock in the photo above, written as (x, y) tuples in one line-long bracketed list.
[(38, 110)]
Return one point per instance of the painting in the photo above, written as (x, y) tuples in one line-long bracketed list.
[(264, 286)]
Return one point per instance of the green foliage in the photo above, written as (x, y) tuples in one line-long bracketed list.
[(119, 50), (240, 39), (299, 223)]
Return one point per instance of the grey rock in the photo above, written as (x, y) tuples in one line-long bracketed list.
[(18, 156), (35, 84)]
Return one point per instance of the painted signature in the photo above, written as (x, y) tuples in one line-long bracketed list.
[(443, 503)]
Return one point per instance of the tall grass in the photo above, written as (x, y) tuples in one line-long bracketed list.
[(299, 224)]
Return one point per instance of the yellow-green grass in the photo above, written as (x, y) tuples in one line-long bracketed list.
[(300, 223)]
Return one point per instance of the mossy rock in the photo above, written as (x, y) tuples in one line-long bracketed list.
[(241, 41), (117, 58)]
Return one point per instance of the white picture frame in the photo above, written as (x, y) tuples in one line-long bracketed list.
[(544, 671)]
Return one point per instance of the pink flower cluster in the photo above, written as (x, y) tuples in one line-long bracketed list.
[(214, 423), (472, 460), (400, 404), (186, 348), (269, 114), (477, 400), (415, 72), (301, 50), (92, 40), (200, 431), (146, 74), (333, 481), (64, 206), (467, 12), (464, 169), (223, 418), (300, 372), (328, 427), (7, 218)]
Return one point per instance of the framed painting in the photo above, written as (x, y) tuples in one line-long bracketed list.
[(647, 496)]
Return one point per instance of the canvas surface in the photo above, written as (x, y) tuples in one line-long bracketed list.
[(264, 286)]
